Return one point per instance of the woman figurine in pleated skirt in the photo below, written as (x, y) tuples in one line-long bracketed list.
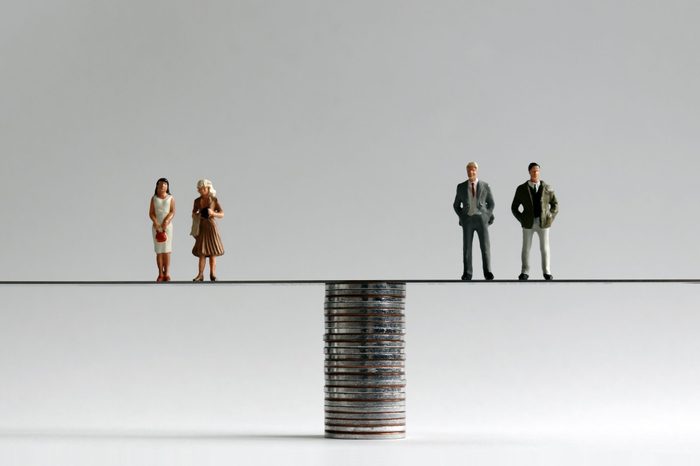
[(208, 243), (161, 211)]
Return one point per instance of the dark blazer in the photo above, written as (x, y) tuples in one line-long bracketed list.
[(523, 197), (484, 201)]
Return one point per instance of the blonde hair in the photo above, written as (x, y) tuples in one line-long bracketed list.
[(208, 184)]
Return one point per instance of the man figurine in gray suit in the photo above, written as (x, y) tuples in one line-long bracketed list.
[(539, 207), (474, 206)]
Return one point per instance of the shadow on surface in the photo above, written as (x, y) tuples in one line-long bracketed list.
[(154, 435), (418, 439)]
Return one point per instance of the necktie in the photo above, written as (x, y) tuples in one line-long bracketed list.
[(474, 189)]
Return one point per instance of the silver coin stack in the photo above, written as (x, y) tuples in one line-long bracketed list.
[(365, 360)]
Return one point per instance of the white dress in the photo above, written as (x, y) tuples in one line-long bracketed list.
[(162, 208)]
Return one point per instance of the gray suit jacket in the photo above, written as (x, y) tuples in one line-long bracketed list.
[(484, 201)]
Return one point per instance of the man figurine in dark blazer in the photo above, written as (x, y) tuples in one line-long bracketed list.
[(474, 206), (539, 207)]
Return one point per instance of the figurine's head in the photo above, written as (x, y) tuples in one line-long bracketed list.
[(205, 187), (162, 185), (534, 170), (472, 170)]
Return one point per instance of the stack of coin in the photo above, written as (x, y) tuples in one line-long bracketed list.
[(364, 347)]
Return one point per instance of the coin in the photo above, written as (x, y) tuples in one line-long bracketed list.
[(333, 414), (364, 428), (366, 406), (365, 436)]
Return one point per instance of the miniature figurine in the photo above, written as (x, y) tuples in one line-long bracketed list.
[(208, 242), (161, 211), (474, 206), (539, 207)]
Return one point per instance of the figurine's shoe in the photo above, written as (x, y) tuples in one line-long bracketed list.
[(523, 276), (548, 276), (160, 278), (212, 278), (166, 278), (198, 279), (488, 276), (467, 277)]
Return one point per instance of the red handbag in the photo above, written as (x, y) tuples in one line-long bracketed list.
[(161, 237)]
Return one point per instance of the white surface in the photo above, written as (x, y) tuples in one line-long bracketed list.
[(178, 374), (270, 449)]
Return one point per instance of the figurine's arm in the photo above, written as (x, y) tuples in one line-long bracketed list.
[(457, 205), (490, 205), (171, 214), (515, 207), (195, 207), (553, 204), (152, 215), (217, 211)]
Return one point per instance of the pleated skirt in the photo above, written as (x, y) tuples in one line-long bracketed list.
[(208, 242)]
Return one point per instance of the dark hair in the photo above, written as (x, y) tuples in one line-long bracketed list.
[(166, 181), (529, 167)]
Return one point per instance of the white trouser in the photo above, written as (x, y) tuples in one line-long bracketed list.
[(543, 233)]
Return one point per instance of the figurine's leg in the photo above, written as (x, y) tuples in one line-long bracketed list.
[(166, 264), (212, 266), (544, 250), (525, 253), (202, 263), (159, 262), (485, 245), (467, 239)]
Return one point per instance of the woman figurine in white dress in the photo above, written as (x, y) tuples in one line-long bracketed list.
[(162, 211)]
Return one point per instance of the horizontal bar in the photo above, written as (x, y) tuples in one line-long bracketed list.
[(320, 282)]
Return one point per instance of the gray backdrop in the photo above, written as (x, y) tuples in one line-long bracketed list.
[(336, 133)]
